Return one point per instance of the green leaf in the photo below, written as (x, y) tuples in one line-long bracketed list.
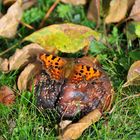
[(68, 38)]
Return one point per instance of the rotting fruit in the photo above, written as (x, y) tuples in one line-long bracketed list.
[(72, 86)]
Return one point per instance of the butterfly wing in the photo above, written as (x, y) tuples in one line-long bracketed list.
[(83, 73), (54, 65)]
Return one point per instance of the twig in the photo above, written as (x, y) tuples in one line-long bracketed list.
[(9, 49), (48, 13), (27, 25), (129, 97)]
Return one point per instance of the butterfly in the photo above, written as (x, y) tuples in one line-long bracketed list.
[(72, 86)]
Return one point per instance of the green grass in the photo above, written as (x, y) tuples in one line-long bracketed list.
[(23, 120)]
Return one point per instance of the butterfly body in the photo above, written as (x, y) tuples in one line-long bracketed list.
[(72, 86)]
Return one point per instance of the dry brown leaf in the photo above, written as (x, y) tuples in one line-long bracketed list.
[(94, 11), (75, 130), (7, 96), (26, 75), (135, 12), (133, 77), (118, 10), (75, 2), (1, 138), (10, 21), (12, 125), (26, 3), (22, 57), (8, 2), (130, 4), (64, 123), (4, 64)]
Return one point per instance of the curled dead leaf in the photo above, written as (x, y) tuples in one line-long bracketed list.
[(68, 38), (118, 10), (10, 21), (28, 54), (26, 75), (133, 77), (7, 96), (22, 57), (75, 2), (135, 12), (75, 130), (94, 11)]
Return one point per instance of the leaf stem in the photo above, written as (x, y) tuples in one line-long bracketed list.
[(48, 13)]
